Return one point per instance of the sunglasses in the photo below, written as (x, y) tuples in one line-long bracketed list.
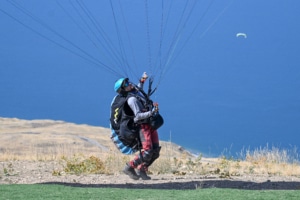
[(126, 84)]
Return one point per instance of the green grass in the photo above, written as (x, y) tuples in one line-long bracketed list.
[(49, 191)]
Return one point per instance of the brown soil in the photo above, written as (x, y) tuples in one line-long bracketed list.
[(23, 142), (33, 172)]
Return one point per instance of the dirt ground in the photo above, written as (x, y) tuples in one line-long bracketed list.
[(26, 140), (29, 172)]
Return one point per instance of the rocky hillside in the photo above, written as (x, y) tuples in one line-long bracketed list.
[(49, 139)]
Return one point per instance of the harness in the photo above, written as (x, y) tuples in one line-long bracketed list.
[(125, 130)]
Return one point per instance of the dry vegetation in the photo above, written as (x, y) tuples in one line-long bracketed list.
[(83, 149)]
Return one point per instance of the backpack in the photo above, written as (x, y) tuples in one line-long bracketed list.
[(120, 145), (116, 111), (122, 123)]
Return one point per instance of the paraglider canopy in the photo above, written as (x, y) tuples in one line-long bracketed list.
[(241, 35)]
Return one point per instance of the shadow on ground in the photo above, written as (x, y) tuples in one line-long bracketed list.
[(231, 184)]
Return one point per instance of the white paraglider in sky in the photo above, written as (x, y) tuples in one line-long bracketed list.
[(241, 35)]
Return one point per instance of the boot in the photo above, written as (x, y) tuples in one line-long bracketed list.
[(142, 173), (128, 170)]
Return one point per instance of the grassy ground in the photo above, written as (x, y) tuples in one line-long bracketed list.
[(40, 191)]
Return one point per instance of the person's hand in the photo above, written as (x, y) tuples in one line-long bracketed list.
[(155, 109), (144, 77)]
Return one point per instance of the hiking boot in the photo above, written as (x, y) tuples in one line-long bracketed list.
[(142, 173), (130, 172)]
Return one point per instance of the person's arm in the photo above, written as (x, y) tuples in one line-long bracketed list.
[(142, 80), (136, 107)]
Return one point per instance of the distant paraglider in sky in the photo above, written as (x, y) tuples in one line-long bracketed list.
[(241, 35)]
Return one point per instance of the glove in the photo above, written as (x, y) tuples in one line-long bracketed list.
[(144, 77)]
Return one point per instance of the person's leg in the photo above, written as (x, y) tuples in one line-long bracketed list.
[(140, 160), (155, 148), (146, 154)]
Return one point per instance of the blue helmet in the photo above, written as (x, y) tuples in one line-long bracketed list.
[(120, 83)]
